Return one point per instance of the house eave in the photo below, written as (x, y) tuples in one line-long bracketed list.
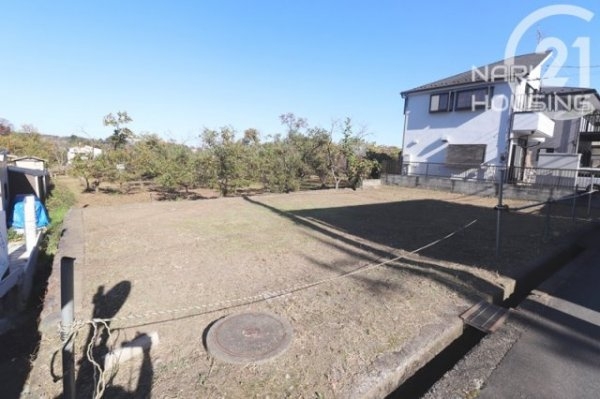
[(459, 86)]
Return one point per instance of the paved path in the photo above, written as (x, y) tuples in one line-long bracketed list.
[(550, 345), (558, 354)]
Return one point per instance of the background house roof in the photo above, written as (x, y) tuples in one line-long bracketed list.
[(566, 90), (27, 171), (591, 95), (521, 62), (29, 158)]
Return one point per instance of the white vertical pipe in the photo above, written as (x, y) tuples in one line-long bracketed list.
[(4, 262), (30, 223)]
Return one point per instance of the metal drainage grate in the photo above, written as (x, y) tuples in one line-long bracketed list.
[(248, 337), (485, 316)]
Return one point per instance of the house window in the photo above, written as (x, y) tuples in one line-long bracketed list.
[(474, 99), (465, 154), (440, 102)]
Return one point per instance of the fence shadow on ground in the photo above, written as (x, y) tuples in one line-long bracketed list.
[(107, 305), (410, 225), (579, 206)]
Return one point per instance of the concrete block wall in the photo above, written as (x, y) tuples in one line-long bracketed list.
[(480, 188)]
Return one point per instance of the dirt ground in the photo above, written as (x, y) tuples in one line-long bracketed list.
[(175, 267)]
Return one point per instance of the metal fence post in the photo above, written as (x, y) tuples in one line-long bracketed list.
[(67, 317), (499, 208), (590, 190), (574, 206), (548, 214)]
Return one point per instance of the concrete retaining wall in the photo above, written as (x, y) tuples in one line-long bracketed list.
[(480, 188)]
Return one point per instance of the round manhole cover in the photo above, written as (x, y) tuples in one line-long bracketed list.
[(248, 337)]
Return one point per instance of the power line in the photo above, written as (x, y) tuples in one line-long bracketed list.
[(574, 66)]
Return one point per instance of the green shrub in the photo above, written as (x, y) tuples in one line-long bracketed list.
[(59, 202), (13, 235)]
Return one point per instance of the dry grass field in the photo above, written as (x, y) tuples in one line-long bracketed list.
[(360, 275)]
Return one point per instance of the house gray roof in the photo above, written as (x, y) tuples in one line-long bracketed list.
[(525, 62)]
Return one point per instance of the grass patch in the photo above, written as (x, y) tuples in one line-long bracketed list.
[(13, 235), (59, 202)]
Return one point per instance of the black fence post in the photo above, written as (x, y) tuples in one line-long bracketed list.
[(574, 206), (499, 208), (548, 219), (590, 191), (67, 317)]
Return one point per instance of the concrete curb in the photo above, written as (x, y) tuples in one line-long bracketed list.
[(46, 366), (72, 245), (469, 375), (390, 370)]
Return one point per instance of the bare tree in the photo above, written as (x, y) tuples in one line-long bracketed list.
[(29, 128), (120, 134), (293, 123), (5, 127)]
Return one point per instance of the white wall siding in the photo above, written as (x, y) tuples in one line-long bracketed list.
[(428, 134)]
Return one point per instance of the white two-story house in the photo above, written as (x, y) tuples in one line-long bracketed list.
[(498, 115)]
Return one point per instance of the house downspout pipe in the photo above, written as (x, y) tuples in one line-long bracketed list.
[(503, 175), (406, 115)]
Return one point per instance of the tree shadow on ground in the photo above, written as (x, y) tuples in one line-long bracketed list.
[(106, 306), (162, 195), (386, 230)]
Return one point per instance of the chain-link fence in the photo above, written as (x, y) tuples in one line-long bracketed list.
[(535, 207), (532, 177)]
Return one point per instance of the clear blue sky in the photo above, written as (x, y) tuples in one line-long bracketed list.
[(179, 66)]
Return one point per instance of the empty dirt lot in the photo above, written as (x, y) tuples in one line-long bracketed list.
[(372, 283)]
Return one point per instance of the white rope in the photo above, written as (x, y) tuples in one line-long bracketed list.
[(99, 373), (278, 293), (99, 381)]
